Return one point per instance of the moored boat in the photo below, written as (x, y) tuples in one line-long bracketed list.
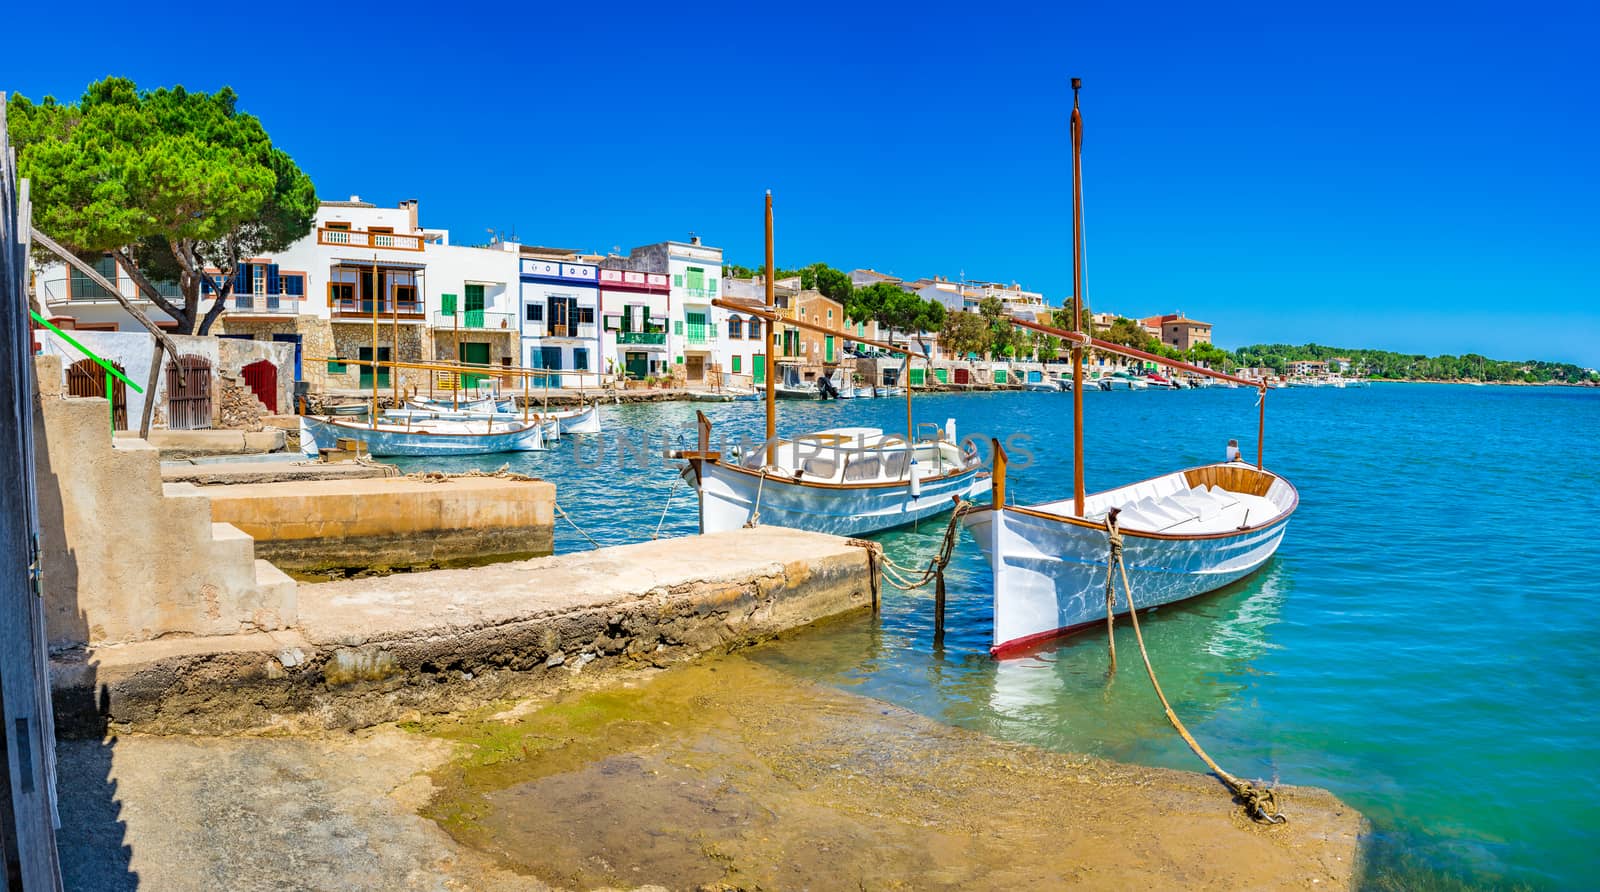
[(1182, 534), (428, 438)]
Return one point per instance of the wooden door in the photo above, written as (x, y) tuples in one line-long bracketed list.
[(87, 378), (262, 379), (189, 393)]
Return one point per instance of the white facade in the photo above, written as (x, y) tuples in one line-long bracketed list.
[(560, 319), (636, 321)]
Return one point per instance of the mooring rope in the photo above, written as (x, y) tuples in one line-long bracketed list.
[(664, 508), (908, 579), (755, 511), (575, 525), (1259, 802)]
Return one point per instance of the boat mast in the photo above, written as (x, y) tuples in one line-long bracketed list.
[(373, 367), (1077, 301), (772, 367)]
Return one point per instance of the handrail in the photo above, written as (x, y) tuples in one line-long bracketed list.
[(110, 369)]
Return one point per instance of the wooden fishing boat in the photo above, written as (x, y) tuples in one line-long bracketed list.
[(551, 425), (847, 481), (428, 438), (1184, 534)]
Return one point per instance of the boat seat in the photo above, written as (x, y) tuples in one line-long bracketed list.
[(820, 467), (894, 465), (1226, 498), (1201, 504), (862, 467)]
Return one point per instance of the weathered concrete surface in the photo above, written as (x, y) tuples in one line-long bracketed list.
[(184, 444), (197, 815), (309, 526), (372, 650), (126, 557), (287, 467)]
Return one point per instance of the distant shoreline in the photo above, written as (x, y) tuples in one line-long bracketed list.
[(1579, 384)]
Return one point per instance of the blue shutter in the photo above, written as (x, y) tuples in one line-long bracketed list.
[(272, 278), (241, 279)]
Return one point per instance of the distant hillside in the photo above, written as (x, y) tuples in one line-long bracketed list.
[(1386, 364)]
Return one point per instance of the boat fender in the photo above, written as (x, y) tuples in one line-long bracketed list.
[(916, 482), (950, 429)]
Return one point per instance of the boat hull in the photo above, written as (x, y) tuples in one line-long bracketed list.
[(1050, 575), (728, 498), (317, 434), (582, 421)]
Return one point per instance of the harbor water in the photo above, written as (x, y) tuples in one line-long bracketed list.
[(1424, 644)]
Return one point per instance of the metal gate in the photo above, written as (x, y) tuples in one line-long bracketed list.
[(261, 377), (189, 393), (86, 378)]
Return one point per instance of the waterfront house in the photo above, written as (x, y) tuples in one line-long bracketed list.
[(636, 315), (1178, 331), (1308, 368), (694, 274), (559, 321)]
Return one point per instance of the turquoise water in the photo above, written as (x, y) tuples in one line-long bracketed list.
[(1425, 644)]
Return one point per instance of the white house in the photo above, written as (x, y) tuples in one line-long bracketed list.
[(635, 311), (694, 274), (560, 319)]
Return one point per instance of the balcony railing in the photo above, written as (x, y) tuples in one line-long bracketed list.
[(405, 309), (585, 331), (274, 304), (705, 294), (641, 337), (361, 238), (476, 320)]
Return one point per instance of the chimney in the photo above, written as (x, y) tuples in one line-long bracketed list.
[(354, 199), (411, 204), (694, 239)]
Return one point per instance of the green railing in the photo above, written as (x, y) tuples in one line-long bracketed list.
[(110, 370), (641, 337)]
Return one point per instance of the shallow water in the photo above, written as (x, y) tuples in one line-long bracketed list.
[(1423, 645)]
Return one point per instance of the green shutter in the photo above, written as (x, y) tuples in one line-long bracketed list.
[(736, 365), (677, 328), (447, 304)]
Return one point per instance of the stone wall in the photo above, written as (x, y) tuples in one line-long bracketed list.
[(239, 408), (125, 557), (349, 338)]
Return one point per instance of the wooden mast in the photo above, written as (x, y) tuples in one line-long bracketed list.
[(374, 366), (772, 366), (1077, 301)]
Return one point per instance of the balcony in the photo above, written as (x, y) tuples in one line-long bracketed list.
[(358, 311), (657, 338), (586, 331), (476, 320), (700, 294), (361, 238), (265, 304)]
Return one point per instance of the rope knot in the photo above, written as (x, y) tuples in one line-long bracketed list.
[(1259, 803)]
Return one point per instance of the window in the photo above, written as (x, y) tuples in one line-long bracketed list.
[(677, 280), (335, 368), (81, 287), (341, 294), (294, 284), (677, 328), (753, 330), (586, 315), (696, 278), (830, 315), (406, 297), (612, 323), (735, 329), (535, 312), (345, 227)]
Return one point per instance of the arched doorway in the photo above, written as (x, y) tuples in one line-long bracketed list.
[(261, 377), (189, 393), (88, 378)]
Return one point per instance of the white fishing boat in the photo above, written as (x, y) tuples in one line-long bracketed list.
[(848, 481), (484, 404), (550, 424), (1045, 385), (585, 420), (427, 438), (1184, 533), (722, 396), (843, 384)]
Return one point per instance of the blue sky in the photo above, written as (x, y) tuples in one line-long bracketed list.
[(1418, 177)]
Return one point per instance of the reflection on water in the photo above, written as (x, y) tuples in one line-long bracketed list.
[(1428, 664), (1061, 698)]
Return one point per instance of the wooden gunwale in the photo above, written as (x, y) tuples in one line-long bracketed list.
[(1143, 534)]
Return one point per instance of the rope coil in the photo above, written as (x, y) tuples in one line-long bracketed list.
[(1260, 804), (909, 579)]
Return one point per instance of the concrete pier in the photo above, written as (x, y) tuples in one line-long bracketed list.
[(309, 527), (373, 650)]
